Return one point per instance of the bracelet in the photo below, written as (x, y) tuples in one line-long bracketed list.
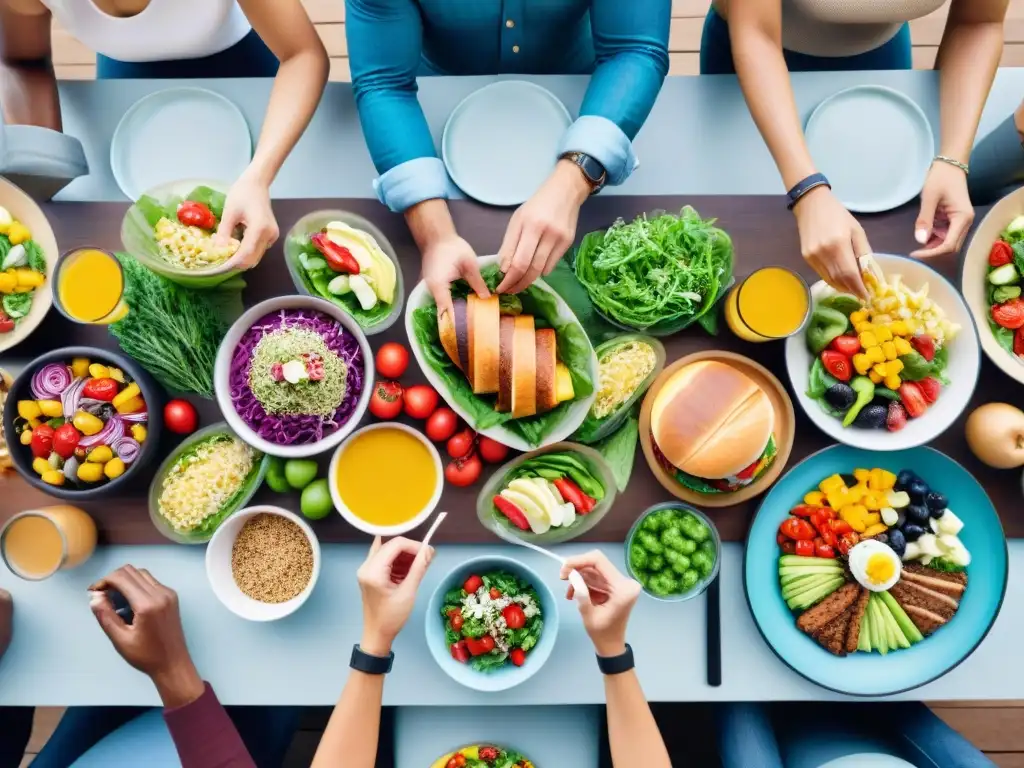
[(804, 186), (954, 162), (616, 665)]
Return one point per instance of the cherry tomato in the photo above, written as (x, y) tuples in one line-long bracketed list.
[(517, 657), (780, 539), (804, 510), (392, 360), (824, 550), (193, 214), (180, 417), (492, 451), (495, 593), (455, 617), (461, 444), (464, 472), (805, 548), (65, 440), (788, 547), (420, 401), (459, 651), (386, 401), (839, 527), (452, 763), (6, 324), (489, 754), (442, 424), (480, 645), (472, 584), (848, 541), (798, 529), (514, 616), (42, 441), (101, 389)]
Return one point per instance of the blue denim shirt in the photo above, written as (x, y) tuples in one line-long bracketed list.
[(623, 43)]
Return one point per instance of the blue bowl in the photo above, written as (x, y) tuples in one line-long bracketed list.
[(508, 676), (871, 674)]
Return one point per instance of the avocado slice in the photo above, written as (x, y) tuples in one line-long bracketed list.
[(910, 630), (864, 639), (372, 260), (535, 516), (879, 637), (806, 599)]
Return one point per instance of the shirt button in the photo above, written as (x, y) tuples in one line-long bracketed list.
[(515, 49), (510, 23)]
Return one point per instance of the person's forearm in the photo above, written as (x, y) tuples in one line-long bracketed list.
[(28, 93), (633, 734), (429, 222), (203, 734), (764, 78), (293, 100)]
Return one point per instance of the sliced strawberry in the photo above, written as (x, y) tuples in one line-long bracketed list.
[(1000, 254), (896, 419), (1009, 314), (1018, 342), (930, 388), (913, 399), (837, 364), (925, 346), (847, 345)]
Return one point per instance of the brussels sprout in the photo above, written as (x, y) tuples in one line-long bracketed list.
[(696, 529), (671, 538), (656, 563), (677, 561), (703, 562), (650, 542), (659, 584), (690, 579), (638, 557)]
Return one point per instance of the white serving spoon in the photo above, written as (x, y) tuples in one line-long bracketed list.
[(575, 577), (434, 526)]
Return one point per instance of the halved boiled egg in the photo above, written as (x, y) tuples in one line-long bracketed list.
[(874, 565)]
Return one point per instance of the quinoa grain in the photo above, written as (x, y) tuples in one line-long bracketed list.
[(271, 560)]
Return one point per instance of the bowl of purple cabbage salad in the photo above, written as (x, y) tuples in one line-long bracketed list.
[(293, 376)]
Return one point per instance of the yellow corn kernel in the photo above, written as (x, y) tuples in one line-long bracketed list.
[(26, 437), (8, 282), (880, 369), (862, 474), (28, 278), (18, 233), (80, 367), (40, 466), (889, 350), (861, 363), (892, 381), (911, 326), (53, 477), (99, 371), (93, 473), (872, 518), (875, 355), (114, 469), (887, 303), (51, 409), (882, 333), (863, 327), (860, 316), (100, 455), (836, 499), (831, 483), (86, 423), (29, 409), (902, 347), (875, 378), (896, 366), (126, 394), (898, 328), (874, 530), (116, 374), (868, 339), (139, 432)]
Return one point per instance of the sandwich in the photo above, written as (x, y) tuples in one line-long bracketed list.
[(712, 428)]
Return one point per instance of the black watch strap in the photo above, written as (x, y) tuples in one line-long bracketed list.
[(372, 665), (591, 168), (804, 186), (616, 665)]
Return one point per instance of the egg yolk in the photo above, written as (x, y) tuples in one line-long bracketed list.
[(879, 569)]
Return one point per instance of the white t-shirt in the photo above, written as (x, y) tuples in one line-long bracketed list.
[(165, 30)]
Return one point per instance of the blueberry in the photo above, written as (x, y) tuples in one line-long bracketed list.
[(917, 514), (937, 503), (840, 396), (904, 479), (898, 541), (918, 489), (883, 538), (911, 532), (871, 417)]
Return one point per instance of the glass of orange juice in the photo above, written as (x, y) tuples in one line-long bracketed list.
[(771, 303), (90, 286), (38, 543)]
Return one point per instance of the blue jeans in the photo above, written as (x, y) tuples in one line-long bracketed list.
[(249, 57), (808, 735), (716, 53), (266, 731)]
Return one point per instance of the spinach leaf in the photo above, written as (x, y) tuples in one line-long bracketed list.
[(17, 305), (36, 257), (1003, 335), (619, 450)]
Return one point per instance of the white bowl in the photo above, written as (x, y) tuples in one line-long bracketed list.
[(222, 580), (385, 530), (420, 297), (222, 369), (24, 209), (963, 369)]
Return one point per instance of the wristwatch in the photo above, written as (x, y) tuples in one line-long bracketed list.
[(372, 665), (616, 665), (592, 170)]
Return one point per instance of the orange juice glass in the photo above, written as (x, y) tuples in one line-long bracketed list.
[(38, 543), (90, 286), (771, 303)]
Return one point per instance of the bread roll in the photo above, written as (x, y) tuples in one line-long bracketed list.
[(524, 368), (547, 344)]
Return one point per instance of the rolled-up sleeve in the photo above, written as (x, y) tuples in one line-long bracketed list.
[(631, 44), (384, 45), (204, 735)]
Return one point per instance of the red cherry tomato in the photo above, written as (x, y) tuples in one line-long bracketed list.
[(455, 617), (804, 510), (193, 214), (517, 656), (495, 593), (6, 324), (798, 529), (805, 548), (180, 417), (492, 451), (480, 645), (514, 616), (461, 445), (101, 389), (392, 360), (65, 440), (464, 472), (788, 547), (386, 401), (825, 550), (420, 401), (442, 424), (472, 584), (42, 441), (460, 652)]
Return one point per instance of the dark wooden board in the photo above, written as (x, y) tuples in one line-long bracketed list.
[(763, 233)]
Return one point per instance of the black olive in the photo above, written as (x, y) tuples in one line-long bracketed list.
[(871, 417), (840, 396), (937, 502), (904, 479), (917, 514), (849, 480), (911, 532), (898, 541), (918, 489), (882, 537)]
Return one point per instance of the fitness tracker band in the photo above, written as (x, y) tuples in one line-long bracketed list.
[(592, 170), (616, 665), (372, 665), (804, 186)]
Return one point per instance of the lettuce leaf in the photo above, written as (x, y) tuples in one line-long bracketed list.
[(619, 450), (574, 351)]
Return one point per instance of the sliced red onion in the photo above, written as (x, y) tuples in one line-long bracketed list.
[(126, 449), (71, 397), (136, 418), (50, 381), (71, 470), (112, 431)]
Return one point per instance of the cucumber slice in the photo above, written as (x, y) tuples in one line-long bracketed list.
[(790, 560), (805, 585), (809, 569), (864, 640), (879, 636), (906, 624), (805, 600)]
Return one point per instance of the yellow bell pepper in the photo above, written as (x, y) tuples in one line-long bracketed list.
[(140, 433), (99, 371), (114, 469), (51, 409), (53, 477), (862, 475), (880, 369), (116, 374), (80, 367), (887, 480), (892, 381), (868, 339), (18, 233), (872, 518), (126, 394), (898, 328), (8, 282), (875, 479), (832, 483), (874, 530), (100, 455), (29, 409), (28, 278), (836, 499), (86, 423), (134, 405), (875, 378), (34, 423), (856, 494), (875, 354), (89, 472), (889, 350), (40, 466)]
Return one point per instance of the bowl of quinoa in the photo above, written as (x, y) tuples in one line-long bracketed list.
[(263, 563)]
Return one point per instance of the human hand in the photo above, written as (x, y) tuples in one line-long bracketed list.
[(542, 229), (445, 261), (154, 643), (606, 609), (248, 206), (831, 240), (6, 621), (1018, 120), (388, 580), (946, 212)]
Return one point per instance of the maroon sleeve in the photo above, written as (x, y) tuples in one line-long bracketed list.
[(204, 735)]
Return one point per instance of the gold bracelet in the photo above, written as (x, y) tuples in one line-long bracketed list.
[(954, 162)]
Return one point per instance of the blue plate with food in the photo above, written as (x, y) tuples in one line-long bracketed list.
[(874, 573)]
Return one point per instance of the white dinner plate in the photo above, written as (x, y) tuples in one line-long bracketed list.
[(501, 142), (874, 144), (179, 133)]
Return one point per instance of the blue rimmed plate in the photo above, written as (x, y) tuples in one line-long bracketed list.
[(870, 674)]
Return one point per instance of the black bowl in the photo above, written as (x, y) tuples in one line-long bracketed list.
[(152, 393)]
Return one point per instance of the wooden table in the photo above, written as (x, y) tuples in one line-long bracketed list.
[(763, 233)]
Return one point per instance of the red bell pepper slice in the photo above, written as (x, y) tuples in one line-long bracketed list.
[(572, 493), (339, 258), (514, 514)]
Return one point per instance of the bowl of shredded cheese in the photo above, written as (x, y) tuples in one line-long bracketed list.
[(206, 479)]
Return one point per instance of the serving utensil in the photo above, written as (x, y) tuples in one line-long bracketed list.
[(433, 527), (575, 577)]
